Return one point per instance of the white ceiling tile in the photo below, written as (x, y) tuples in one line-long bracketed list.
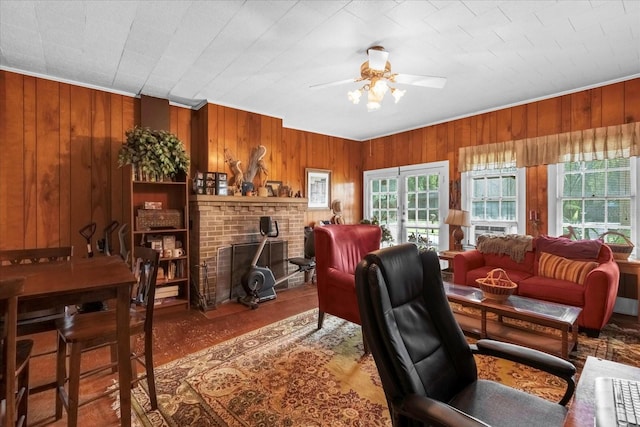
[(560, 11), (147, 40), (164, 16), (409, 13), (597, 15), (368, 10), (522, 10)]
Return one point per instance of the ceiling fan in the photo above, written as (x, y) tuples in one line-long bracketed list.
[(376, 73)]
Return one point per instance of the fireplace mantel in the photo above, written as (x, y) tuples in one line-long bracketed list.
[(252, 200), (218, 222)]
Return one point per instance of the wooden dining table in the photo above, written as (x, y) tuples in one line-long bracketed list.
[(77, 281)]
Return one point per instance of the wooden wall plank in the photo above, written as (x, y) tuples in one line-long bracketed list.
[(30, 166), (12, 177), (519, 122), (580, 110), (631, 101), (65, 164), (80, 166), (47, 164), (549, 116), (596, 107), (114, 142), (100, 162), (613, 101)]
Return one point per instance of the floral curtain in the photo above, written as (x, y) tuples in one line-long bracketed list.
[(607, 142)]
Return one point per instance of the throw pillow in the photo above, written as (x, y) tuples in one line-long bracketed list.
[(557, 267), (573, 249)]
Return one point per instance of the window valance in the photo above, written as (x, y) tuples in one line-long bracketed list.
[(607, 142)]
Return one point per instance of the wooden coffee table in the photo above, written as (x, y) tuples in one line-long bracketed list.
[(476, 323)]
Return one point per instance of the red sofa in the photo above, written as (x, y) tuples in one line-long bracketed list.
[(544, 271), (339, 249)]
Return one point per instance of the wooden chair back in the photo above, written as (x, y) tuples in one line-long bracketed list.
[(9, 291), (146, 269), (36, 321), (35, 255)]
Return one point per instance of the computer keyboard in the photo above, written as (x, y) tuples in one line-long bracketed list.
[(617, 402)]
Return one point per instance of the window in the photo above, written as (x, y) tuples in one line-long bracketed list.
[(595, 197), (490, 195), (412, 201)]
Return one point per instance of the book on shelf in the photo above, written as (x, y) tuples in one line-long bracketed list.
[(167, 291)]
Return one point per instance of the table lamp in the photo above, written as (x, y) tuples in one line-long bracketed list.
[(458, 219)]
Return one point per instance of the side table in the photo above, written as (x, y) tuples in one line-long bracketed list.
[(631, 266), (447, 273)]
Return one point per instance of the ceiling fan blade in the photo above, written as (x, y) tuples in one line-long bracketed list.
[(336, 83), (424, 81), (377, 59)]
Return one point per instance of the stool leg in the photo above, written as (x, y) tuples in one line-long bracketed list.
[(23, 384), (61, 374), (74, 384), (148, 364)]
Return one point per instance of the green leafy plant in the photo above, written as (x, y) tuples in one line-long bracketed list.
[(386, 238), (154, 154)]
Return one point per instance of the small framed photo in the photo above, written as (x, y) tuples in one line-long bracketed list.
[(273, 187), (318, 188)]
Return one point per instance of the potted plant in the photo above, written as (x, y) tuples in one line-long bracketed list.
[(386, 238), (155, 155)]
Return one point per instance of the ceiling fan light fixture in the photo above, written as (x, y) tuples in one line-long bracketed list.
[(397, 94), (379, 87), (374, 99), (377, 58), (354, 96), (373, 106)]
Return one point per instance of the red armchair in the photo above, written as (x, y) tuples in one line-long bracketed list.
[(339, 249)]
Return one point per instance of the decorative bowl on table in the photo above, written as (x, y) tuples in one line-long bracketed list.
[(497, 286)]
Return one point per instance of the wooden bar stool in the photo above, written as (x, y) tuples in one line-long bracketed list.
[(14, 358), (83, 332)]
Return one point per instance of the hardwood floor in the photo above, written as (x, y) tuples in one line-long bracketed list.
[(177, 335)]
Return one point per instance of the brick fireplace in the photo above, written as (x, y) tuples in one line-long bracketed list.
[(219, 222)]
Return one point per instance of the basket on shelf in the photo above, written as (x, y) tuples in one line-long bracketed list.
[(620, 250), (497, 285), (148, 219)]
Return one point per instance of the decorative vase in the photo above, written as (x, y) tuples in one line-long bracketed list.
[(247, 187)]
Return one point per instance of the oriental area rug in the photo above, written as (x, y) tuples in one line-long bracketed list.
[(291, 374)]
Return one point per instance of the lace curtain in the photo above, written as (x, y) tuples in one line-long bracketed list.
[(607, 142)]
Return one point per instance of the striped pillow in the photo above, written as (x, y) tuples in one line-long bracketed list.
[(557, 267)]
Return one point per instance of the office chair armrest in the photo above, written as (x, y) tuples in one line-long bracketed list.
[(534, 358), (435, 413)]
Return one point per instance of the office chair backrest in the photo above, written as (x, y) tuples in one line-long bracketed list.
[(309, 243), (407, 321)]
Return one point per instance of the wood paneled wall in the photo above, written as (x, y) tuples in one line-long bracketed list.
[(289, 153), (603, 106), (59, 144), (58, 160)]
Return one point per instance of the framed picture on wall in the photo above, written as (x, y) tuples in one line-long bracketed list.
[(318, 188), (273, 187)]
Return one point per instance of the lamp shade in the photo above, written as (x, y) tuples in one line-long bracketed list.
[(458, 217)]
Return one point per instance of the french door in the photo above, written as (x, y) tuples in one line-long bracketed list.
[(412, 201)]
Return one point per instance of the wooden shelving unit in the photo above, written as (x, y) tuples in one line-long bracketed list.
[(173, 197)]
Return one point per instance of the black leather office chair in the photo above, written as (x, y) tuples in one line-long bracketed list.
[(426, 365)]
